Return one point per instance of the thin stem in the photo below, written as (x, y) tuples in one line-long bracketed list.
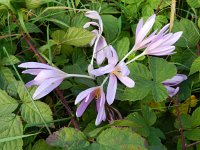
[(192, 144), (135, 58), (79, 75), (180, 124), (104, 81), (126, 56)]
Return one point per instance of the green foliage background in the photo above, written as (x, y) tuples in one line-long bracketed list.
[(144, 117)]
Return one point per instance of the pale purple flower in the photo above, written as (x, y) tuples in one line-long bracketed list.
[(47, 77), (116, 71), (142, 29), (86, 97), (170, 84), (100, 45)]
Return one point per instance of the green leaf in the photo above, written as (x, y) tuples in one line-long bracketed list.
[(195, 118), (149, 115), (161, 70), (6, 61), (118, 139), (31, 115), (159, 92), (79, 20), (122, 47), (74, 36), (190, 35), (195, 66), (68, 138), (7, 103), (110, 27), (11, 126), (32, 28), (42, 145), (193, 134), (194, 3)]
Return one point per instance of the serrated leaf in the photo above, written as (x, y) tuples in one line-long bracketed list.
[(122, 47), (23, 94), (161, 70), (10, 126), (118, 139), (159, 92), (68, 138), (195, 66), (32, 28), (7, 61), (148, 115), (78, 36), (31, 115), (190, 35), (7, 103), (193, 134), (79, 20), (58, 36), (195, 118)]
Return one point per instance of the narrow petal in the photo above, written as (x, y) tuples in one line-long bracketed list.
[(83, 94), (31, 83), (145, 29), (112, 55), (173, 39), (35, 65), (161, 51), (177, 79), (46, 87), (103, 70), (172, 91), (32, 71), (84, 104), (101, 110), (126, 81), (88, 24), (139, 26), (111, 89)]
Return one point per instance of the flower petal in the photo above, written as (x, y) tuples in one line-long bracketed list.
[(46, 87), (35, 65), (111, 89), (101, 110), (123, 68), (175, 80), (103, 70), (126, 81), (172, 91), (83, 94), (139, 26), (32, 71), (84, 104)]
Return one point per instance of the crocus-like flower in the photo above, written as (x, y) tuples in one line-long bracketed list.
[(141, 32), (100, 45), (173, 82), (86, 97), (47, 77), (116, 71)]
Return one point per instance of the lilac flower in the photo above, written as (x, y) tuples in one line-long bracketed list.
[(171, 83), (100, 45), (86, 97), (116, 71), (47, 77), (141, 32)]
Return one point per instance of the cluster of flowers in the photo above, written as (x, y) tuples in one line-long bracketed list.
[(157, 44)]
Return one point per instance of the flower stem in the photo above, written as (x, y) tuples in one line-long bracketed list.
[(135, 58), (79, 75), (126, 56), (104, 81)]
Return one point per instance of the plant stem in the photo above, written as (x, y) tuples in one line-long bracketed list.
[(180, 124), (192, 144), (63, 100), (135, 58)]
